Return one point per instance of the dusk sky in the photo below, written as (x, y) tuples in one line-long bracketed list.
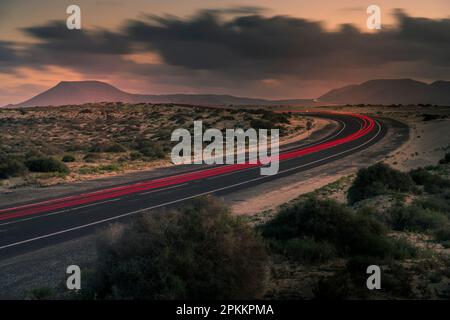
[(257, 48)]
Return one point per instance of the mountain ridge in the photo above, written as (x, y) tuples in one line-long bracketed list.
[(92, 91), (390, 91), (377, 91)]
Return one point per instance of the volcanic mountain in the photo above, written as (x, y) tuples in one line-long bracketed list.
[(383, 92), (391, 91), (80, 92)]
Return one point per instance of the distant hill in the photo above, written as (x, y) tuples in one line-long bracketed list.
[(393, 91), (385, 92), (81, 92)]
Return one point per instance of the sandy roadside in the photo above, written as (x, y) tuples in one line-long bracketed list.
[(273, 194), (426, 143)]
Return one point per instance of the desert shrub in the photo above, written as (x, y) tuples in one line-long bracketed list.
[(402, 249), (33, 153), (275, 117), (46, 164), (446, 159), (163, 135), (74, 146), (432, 183), (377, 180), (430, 117), (11, 167), (443, 233), (350, 282), (150, 149), (414, 218), (329, 221), (88, 170), (305, 250), (420, 176), (68, 158), (437, 202), (108, 147), (153, 153), (261, 124), (198, 252), (115, 148), (135, 155), (109, 167), (91, 157)]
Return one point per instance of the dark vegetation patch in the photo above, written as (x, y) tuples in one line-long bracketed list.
[(196, 252), (431, 117), (68, 158), (428, 213), (108, 133), (377, 180), (46, 164), (11, 167), (328, 229)]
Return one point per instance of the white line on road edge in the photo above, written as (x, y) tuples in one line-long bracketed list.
[(180, 200), (61, 211), (154, 191)]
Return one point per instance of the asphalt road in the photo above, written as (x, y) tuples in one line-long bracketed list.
[(30, 227)]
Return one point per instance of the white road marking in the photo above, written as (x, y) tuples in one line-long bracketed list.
[(163, 189), (61, 211), (183, 199), (153, 191)]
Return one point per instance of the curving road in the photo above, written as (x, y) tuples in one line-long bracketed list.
[(29, 227)]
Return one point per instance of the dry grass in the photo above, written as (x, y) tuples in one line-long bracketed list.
[(107, 139)]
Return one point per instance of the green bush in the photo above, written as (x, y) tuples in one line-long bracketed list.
[(153, 153), (11, 167), (275, 118), (350, 283), (68, 158), (414, 218), (261, 124), (135, 155), (377, 180), (110, 167), (331, 222), (115, 148), (46, 164), (432, 183), (150, 149), (439, 202), (446, 159), (443, 233), (88, 170), (108, 147), (199, 252), (305, 250), (91, 157)]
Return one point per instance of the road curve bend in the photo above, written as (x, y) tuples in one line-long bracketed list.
[(32, 226)]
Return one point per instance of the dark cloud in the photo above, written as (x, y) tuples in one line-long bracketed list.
[(9, 58), (55, 36), (261, 45), (237, 47)]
